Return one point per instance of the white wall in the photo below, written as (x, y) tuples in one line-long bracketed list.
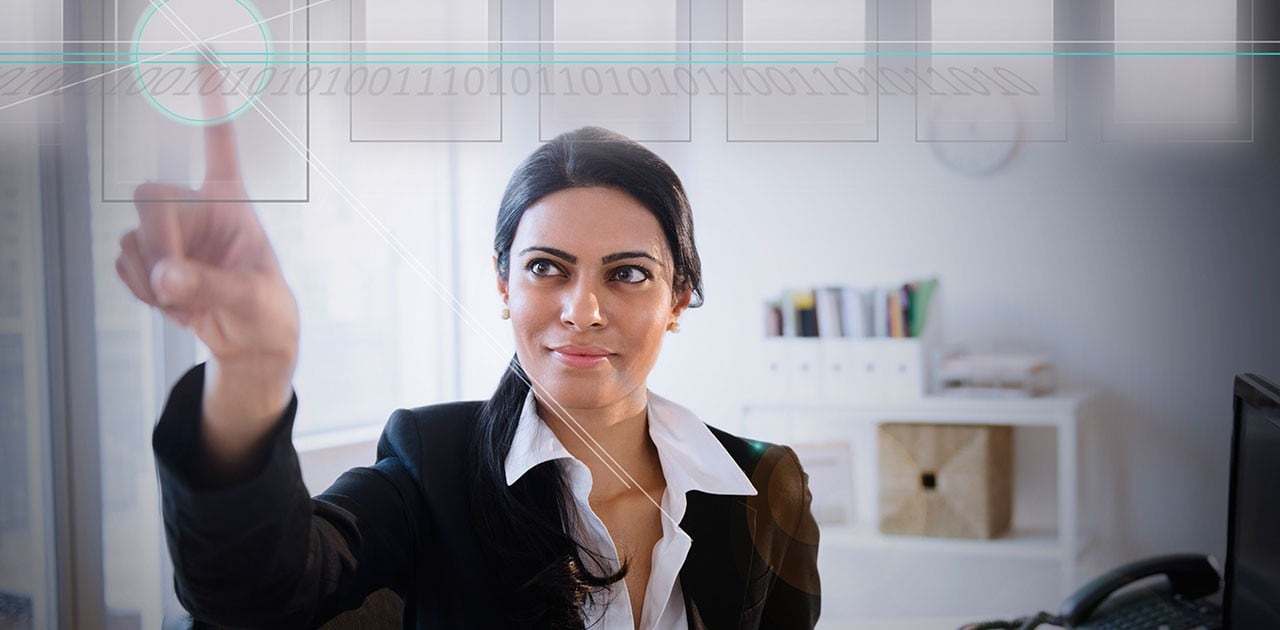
[(1146, 273)]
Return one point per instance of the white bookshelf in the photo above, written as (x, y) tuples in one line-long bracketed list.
[(1062, 542)]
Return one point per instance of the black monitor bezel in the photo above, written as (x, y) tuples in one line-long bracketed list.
[(1259, 393)]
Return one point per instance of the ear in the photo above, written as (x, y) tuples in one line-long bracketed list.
[(681, 303), (502, 284)]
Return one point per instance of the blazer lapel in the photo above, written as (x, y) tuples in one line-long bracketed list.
[(722, 560)]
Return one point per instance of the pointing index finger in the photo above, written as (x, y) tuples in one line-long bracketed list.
[(222, 164)]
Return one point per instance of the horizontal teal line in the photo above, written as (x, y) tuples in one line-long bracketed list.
[(681, 54)]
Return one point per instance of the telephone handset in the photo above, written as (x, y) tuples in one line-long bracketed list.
[(1190, 577)]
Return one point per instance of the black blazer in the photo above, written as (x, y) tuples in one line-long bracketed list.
[(260, 552)]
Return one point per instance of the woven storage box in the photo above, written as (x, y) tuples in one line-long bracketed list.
[(945, 480)]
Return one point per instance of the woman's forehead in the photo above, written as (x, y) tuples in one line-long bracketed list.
[(589, 222)]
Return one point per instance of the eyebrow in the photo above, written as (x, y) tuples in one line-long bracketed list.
[(560, 253)]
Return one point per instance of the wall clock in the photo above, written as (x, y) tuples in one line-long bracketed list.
[(975, 135)]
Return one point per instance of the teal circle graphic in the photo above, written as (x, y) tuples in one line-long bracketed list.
[(138, 63)]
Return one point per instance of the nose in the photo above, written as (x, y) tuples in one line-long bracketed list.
[(581, 307)]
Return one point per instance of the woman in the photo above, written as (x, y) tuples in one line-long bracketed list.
[(572, 498)]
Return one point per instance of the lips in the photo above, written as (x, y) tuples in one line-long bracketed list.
[(581, 356)]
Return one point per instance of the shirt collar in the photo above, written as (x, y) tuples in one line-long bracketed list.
[(534, 443), (692, 458)]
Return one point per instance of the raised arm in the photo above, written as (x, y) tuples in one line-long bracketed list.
[(208, 265), (250, 547)]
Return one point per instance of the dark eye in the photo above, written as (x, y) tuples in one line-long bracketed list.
[(631, 274), (542, 267)]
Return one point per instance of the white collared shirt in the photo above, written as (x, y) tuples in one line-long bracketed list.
[(692, 459)]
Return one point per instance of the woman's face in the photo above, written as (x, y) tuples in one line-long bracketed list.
[(589, 289)]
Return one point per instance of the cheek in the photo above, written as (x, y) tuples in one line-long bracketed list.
[(532, 317), (649, 330), (528, 308)]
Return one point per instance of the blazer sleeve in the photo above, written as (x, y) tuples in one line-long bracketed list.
[(794, 599), (259, 551)]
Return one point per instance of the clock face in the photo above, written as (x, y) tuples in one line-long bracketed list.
[(974, 135)]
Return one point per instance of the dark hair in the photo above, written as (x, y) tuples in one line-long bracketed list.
[(524, 525)]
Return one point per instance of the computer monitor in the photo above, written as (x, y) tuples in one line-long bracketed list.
[(1251, 598)]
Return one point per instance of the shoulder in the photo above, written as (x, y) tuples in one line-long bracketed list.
[(748, 453), (753, 455), (440, 428), (775, 472)]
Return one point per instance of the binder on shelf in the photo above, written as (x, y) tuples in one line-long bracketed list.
[(839, 369), (905, 366), (803, 366), (843, 369), (772, 381), (865, 380)]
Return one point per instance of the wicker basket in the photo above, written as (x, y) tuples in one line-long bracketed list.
[(949, 480)]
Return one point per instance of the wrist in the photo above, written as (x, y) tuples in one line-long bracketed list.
[(242, 402)]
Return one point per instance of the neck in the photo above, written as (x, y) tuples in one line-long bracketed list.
[(622, 432)]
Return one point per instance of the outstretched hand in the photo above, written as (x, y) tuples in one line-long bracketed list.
[(202, 257)]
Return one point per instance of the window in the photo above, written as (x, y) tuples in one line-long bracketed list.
[(26, 523), (361, 231)]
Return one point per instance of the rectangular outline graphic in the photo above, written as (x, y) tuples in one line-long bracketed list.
[(735, 8), (351, 27), (684, 11), (1246, 78), (102, 122), (1032, 131)]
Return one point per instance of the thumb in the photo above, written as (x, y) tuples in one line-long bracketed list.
[(193, 287)]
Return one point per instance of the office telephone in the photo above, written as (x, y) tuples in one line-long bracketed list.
[(1172, 604)]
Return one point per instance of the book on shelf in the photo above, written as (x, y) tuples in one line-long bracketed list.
[(893, 311), (827, 308), (804, 311), (773, 318), (789, 316), (880, 312), (921, 296), (856, 312)]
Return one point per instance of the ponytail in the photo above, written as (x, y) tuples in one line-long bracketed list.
[(524, 526)]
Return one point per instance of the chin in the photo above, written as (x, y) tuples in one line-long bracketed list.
[(574, 395), (578, 390)]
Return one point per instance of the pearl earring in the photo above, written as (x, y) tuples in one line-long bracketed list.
[(674, 326), (506, 313)]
